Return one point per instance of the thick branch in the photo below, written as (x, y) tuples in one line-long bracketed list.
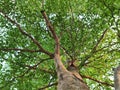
[(59, 65), (26, 34), (57, 48)]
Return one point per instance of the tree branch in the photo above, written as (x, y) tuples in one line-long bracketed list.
[(98, 42), (67, 53), (35, 65), (93, 49), (26, 34), (104, 83), (17, 49), (57, 45), (47, 86), (59, 65), (108, 46)]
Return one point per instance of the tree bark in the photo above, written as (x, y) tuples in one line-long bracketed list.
[(117, 78)]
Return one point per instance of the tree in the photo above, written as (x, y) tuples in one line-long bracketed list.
[(89, 34)]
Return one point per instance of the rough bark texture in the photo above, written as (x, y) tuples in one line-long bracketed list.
[(67, 80), (117, 78)]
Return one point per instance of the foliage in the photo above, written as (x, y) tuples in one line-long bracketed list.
[(89, 32)]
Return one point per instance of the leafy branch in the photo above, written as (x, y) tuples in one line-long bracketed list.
[(26, 71), (93, 49), (98, 42), (98, 81), (17, 49), (35, 66), (47, 86), (26, 34)]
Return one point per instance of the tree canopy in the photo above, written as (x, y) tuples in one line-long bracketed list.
[(89, 32)]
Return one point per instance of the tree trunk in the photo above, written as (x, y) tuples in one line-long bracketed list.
[(67, 80), (117, 78)]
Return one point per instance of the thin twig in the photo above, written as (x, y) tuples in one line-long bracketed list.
[(93, 49), (98, 42), (104, 83), (17, 49), (47, 86)]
